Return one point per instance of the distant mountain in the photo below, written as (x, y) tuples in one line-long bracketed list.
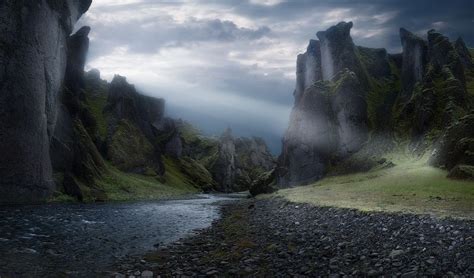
[(353, 104)]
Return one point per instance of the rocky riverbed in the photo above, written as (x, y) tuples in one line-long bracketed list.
[(272, 237)]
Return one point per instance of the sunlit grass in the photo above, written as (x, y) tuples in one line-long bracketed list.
[(411, 186)]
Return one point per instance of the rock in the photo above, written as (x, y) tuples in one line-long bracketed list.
[(442, 53), (396, 253), (308, 68), (78, 46), (464, 53), (239, 161), (264, 184), (456, 146), (147, 274), (32, 70), (129, 150), (414, 61), (135, 127), (71, 187), (465, 172)]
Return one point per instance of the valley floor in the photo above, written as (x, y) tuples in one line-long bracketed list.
[(409, 186), (275, 237)]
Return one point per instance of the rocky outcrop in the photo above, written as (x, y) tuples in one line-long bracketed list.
[(330, 119), (464, 53), (124, 102), (456, 146), (414, 58), (308, 68), (443, 54), (358, 101), (73, 151), (133, 128), (239, 162), (33, 62), (264, 183)]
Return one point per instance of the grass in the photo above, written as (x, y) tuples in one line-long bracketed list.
[(96, 105), (120, 186), (411, 186)]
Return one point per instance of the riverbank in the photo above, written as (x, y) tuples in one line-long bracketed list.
[(274, 237)]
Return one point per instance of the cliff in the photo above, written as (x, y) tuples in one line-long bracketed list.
[(33, 47), (353, 104)]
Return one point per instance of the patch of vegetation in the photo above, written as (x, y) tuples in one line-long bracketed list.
[(96, 105), (410, 186), (175, 176), (120, 186), (129, 148), (197, 173)]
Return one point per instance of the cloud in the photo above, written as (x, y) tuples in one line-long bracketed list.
[(232, 63)]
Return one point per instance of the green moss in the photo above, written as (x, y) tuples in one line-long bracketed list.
[(197, 173), (175, 176), (120, 186), (129, 149), (96, 105)]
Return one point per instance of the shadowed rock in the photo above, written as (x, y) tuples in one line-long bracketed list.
[(33, 62), (414, 59), (464, 53)]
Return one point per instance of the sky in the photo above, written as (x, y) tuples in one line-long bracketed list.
[(222, 64)]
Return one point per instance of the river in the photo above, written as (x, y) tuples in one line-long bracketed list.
[(86, 239)]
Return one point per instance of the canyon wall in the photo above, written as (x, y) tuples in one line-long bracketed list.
[(33, 47)]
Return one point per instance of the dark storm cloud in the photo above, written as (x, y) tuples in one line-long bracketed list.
[(226, 63)]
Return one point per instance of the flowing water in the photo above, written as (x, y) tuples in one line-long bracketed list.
[(83, 239)]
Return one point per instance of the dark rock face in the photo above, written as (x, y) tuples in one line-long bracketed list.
[(124, 102), (33, 62), (72, 149), (308, 68), (135, 120), (442, 53), (362, 100), (414, 59), (309, 140), (239, 161), (464, 54), (330, 118), (456, 146), (264, 184)]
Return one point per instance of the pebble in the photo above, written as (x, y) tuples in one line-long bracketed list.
[(301, 240)]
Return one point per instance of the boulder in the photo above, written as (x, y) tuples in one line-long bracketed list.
[(33, 62), (264, 184), (461, 171), (456, 146)]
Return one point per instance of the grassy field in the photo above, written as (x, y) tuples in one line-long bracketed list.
[(411, 186)]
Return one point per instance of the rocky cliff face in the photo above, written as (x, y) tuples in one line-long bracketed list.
[(33, 45), (330, 118), (352, 100), (239, 161)]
